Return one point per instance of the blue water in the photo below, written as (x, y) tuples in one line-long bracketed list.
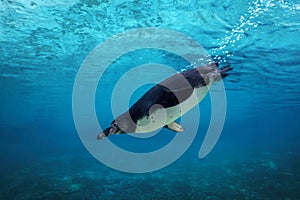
[(42, 45)]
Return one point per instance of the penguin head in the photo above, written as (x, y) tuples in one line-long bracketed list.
[(113, 129)]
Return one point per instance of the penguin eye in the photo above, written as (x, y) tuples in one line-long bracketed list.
[(114, 124)]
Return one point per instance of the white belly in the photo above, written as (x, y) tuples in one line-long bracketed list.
[(160, 116)]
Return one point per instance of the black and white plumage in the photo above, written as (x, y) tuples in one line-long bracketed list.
[(167, 101)]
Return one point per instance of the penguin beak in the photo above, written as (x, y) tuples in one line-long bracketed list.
[(103, 134)]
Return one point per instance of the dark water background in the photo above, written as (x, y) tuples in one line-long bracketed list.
[(42, 45)]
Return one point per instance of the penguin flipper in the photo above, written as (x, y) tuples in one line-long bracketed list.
[(175, 127)]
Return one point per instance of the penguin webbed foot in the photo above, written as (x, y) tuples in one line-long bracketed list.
[(174, 127), (225, 69)]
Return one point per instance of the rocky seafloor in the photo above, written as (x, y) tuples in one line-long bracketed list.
[(260, 176)]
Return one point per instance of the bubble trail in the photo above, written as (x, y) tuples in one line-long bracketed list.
[(245, 23)]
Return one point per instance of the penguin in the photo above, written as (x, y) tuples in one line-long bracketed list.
[(167, 101)]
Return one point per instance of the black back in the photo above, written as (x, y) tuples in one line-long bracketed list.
[(168, 93)]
